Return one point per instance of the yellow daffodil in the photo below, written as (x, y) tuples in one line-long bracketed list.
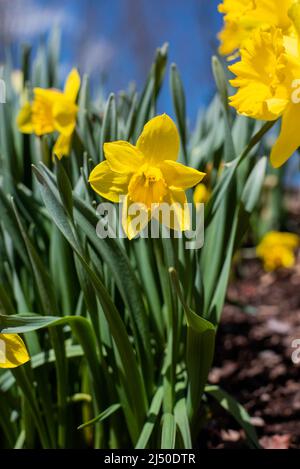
[(234, 31), (241, 17), (201, 194), (147, 174), (277, 249), (13, 352), (265, 77), (53, 111)]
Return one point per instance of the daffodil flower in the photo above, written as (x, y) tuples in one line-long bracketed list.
[(269, 65), (201, 194), (13, 352), (241, 17), (148, 174), (276, 250), (52, 111)]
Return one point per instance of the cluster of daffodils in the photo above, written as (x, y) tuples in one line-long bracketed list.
[(145, 176), (264, 34), (278, 250)]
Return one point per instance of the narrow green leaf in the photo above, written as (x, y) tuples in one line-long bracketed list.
[(178, 97), (152, 418), (236, 410), (101, 417), (168, 432)]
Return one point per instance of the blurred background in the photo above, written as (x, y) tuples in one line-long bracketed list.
[(115, 40)]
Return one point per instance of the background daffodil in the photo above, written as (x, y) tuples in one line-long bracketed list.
[(276, 250), (147, 173), (13, 352), (201, 194), (53, 111)]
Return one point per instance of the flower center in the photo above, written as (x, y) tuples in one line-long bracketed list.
[(147, 187)]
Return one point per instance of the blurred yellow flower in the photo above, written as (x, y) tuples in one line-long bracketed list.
[(201, 194), (234, 31), (13, 352), (269, 66), (241, 17), (277, 249), (148, 174), (53, 111)]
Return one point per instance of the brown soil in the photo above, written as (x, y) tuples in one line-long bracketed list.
[(253, 359)]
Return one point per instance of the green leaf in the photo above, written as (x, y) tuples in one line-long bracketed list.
[(101, 417), (53, 57), (253, 187), (134, 384), (182, 421), (152, 418), (199, 352), (228, 174), (221, 82), (11, 226), (147, 103), (179, 106), (109, 129), (168, 432), (236, 410), (64, 187)]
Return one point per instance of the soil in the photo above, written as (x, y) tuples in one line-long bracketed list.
[(253, 360)]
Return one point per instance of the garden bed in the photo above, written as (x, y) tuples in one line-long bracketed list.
[(253, 357)]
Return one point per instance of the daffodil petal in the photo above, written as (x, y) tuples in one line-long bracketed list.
[(289, 138), (107, 183), (180, 177), (262, 77), (62, 146), (24, 119), (64, 116), (42, 106), (177, 214), (159, 140), (48, 94), (135, 217), (201, 194), (72, 85), (122, 157), (13, 352)]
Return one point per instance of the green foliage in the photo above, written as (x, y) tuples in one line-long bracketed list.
[(121, 334)]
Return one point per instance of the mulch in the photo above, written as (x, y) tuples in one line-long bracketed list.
[(253, 360)]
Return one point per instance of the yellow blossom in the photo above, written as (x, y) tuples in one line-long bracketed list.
[(234, 31), (53, 111), (269, 66), (13, 352), (201, 194), (241, 17), (276, 249), (147, 174)]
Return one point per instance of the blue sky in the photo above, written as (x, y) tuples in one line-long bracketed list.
[(116, 39)]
